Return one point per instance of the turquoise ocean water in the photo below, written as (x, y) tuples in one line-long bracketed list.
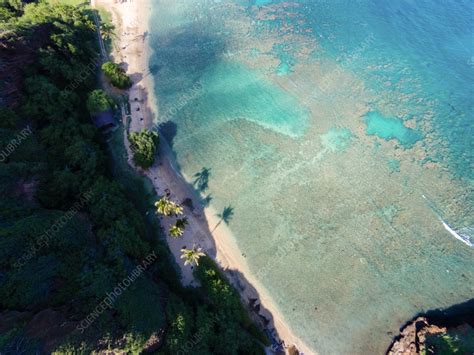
[(341, 134)]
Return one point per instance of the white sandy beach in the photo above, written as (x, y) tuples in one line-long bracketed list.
[(131, 47)]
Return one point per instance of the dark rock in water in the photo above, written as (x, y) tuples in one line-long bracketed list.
[(154, 69)]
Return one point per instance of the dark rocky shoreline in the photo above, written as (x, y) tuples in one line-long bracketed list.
[(417, 334)]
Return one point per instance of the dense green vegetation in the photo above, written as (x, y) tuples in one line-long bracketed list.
[(454, 341), (70, 232), (116, 75), (229, 310), (98, 101), (144, 145)]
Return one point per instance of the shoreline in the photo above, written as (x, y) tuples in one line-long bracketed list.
[(132, 47)]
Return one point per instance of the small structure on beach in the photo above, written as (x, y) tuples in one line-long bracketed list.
[(105, 121)]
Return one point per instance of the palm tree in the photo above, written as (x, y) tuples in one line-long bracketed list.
[(225, 216), (191, 256), (177, 209), (177, 229), (107, 31), (166, 207)]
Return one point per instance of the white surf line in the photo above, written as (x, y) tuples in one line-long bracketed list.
[(463, 238)]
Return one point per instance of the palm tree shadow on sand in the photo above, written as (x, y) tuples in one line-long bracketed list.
[(259, 313), (201, 179), (206, 201), (225, 216)]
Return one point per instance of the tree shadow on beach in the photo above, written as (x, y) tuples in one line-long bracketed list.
[(139, 101), (168, 129), (206, 201), (136, 77), (259, 314), (201, 179), (225, 216)]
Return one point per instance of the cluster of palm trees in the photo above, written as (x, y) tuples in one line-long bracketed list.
[(166, 207), (177, 229)]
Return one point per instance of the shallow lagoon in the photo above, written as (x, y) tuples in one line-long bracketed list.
[(341, 133)]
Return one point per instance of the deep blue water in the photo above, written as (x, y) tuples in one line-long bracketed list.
[(432, 41)]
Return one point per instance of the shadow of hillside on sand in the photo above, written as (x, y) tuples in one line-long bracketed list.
[(183, 71), (199, 233), (261, 315)]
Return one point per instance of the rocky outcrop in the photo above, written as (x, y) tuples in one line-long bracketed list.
[(154, 342), (432, 332), (45, 329), (413, 336), (50, 327)]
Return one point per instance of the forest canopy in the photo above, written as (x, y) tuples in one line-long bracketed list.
[(116, 75), (98, 101), (144, 145), (70, 231)]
